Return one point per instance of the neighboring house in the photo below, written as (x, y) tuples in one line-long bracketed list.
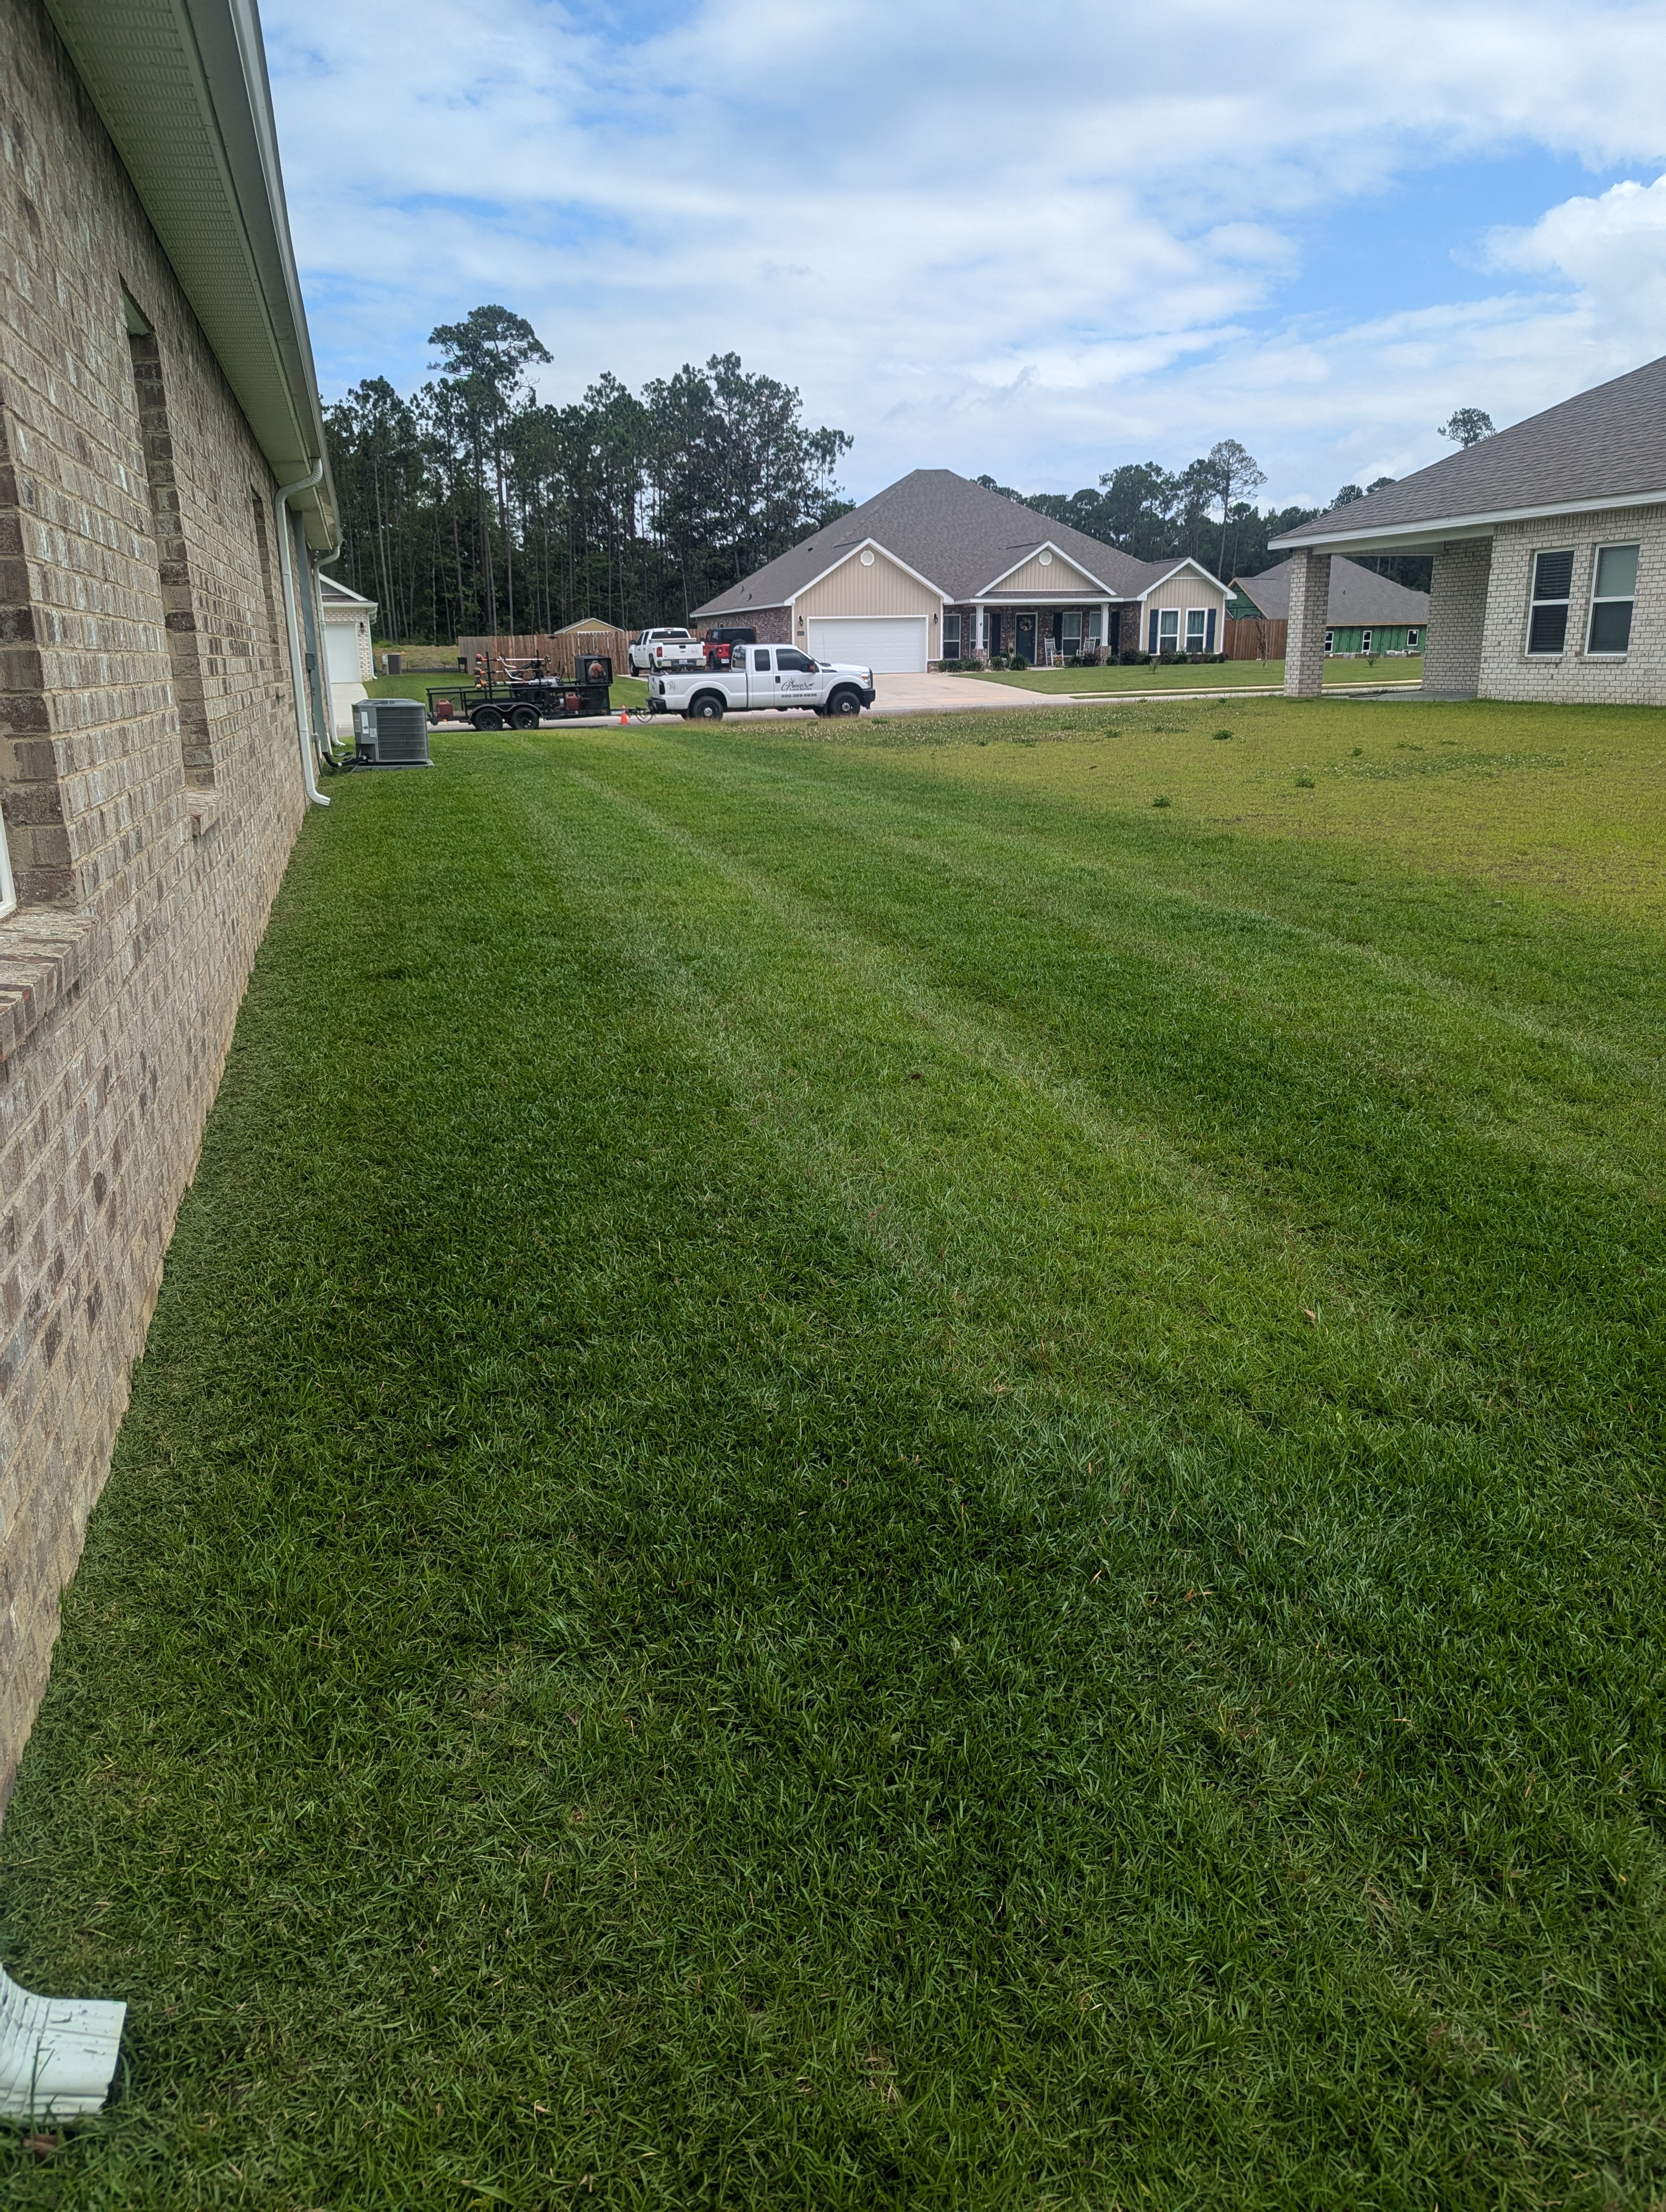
[(1549, 546), (1365, 613), (163, 491), (348, 660), (936, 567)]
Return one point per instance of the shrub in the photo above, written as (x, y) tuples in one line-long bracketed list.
[(1131, 657), (1223, 734), (1018, 661), (1162, 802)]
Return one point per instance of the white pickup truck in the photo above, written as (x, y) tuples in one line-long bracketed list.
[(761, 676), (664, 648)]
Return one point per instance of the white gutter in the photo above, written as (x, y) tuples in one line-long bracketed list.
[(292, 625), (1436, 528), (57, 2054)]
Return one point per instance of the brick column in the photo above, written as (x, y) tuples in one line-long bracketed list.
[(1457, 618), (1310, 617)]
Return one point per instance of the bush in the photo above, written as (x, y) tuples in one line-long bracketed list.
[(1131, 657), (1018, 661)]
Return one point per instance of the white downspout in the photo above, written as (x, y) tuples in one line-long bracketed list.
[(292, 624)]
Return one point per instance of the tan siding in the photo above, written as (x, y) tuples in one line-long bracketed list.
[(1186, 590), (1061, 575), (883, 589)]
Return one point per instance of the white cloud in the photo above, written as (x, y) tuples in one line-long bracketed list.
[(1037, 253)]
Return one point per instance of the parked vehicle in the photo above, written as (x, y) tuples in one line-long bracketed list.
[(776, 676), (526, 698), (719, 645), (664, 648)]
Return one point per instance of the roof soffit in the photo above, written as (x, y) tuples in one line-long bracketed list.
[(181, 86)]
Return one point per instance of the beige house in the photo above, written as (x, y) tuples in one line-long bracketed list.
[(164, 500), (1549, 546), (936, 567)]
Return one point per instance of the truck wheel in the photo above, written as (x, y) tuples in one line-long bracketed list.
[(707, 707), (487, 718), (523, 718), (844, 702)]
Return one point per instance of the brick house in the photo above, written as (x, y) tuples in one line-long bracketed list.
[(163, 498), (936, 567), (1549, 546)]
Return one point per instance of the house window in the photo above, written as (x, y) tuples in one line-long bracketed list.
[(1553, 580), (1195, 629), (1364, 640), (1411, 640), (1072, 637), (1612, 594), (1331, 640), (951, 637), (1168, 630), (1093, 637)]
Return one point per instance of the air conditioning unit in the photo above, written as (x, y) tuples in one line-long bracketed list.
[(390, 732)]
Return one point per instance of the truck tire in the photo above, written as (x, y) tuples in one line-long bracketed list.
[(487, 718), (708, 707), (845, 702), (523, 718)]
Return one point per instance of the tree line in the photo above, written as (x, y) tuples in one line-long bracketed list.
[(473, 507)]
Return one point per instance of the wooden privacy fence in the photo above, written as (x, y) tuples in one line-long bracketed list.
[(560, 650), (1254, 640)]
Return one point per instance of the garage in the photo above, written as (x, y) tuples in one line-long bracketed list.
[(890, 645)]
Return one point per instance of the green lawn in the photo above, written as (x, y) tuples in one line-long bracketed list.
[(626, 690), (1222, 676), (872, 1475)]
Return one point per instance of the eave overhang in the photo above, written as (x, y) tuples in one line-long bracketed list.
[(181, 86), (1425, 536)]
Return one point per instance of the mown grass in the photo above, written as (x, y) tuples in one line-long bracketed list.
[(1225, 676), (870, 1477)]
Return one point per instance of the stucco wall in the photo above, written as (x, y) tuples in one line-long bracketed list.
[(144, 898), (1638, 679), (883, 589)]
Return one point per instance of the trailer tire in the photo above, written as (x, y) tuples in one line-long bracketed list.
[(523, 718), (708, 707), (487, 718), (845, 702)]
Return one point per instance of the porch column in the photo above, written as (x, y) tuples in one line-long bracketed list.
[(1104, 627), (1309, 613), (981, 634)]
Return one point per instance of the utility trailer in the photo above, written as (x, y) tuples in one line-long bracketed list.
[(521, 696)]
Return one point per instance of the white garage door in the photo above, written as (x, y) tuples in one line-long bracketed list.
[(894, 645), (341, 651)]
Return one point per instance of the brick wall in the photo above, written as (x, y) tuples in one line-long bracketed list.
[(1458, 615), (1638, 678), (1308, 621), (151, 791)]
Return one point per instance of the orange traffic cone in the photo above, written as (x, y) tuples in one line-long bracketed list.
[(624, 719)]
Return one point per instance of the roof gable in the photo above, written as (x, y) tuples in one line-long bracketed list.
[(1033, 571), (939, 525)]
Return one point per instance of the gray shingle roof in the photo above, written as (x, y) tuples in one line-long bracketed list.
[(1608, 444), (1357, 594), (956, 533)]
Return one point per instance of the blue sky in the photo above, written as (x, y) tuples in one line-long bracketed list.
[(983, 238)]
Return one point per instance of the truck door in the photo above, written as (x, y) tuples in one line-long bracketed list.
[(795, 678), (762, 686)]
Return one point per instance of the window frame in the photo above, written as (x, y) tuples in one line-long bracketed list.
[(1068, 616), (1413, 632), (951, 631), (1365, 643), (1529, 651), (1200, 616), (1612, 599), (1329, 638), (1165, 634)]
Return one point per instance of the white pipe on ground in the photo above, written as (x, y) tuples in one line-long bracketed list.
[(292, 624), (57, 2054)]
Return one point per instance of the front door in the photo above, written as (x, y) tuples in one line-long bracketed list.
[(1025, 627)]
